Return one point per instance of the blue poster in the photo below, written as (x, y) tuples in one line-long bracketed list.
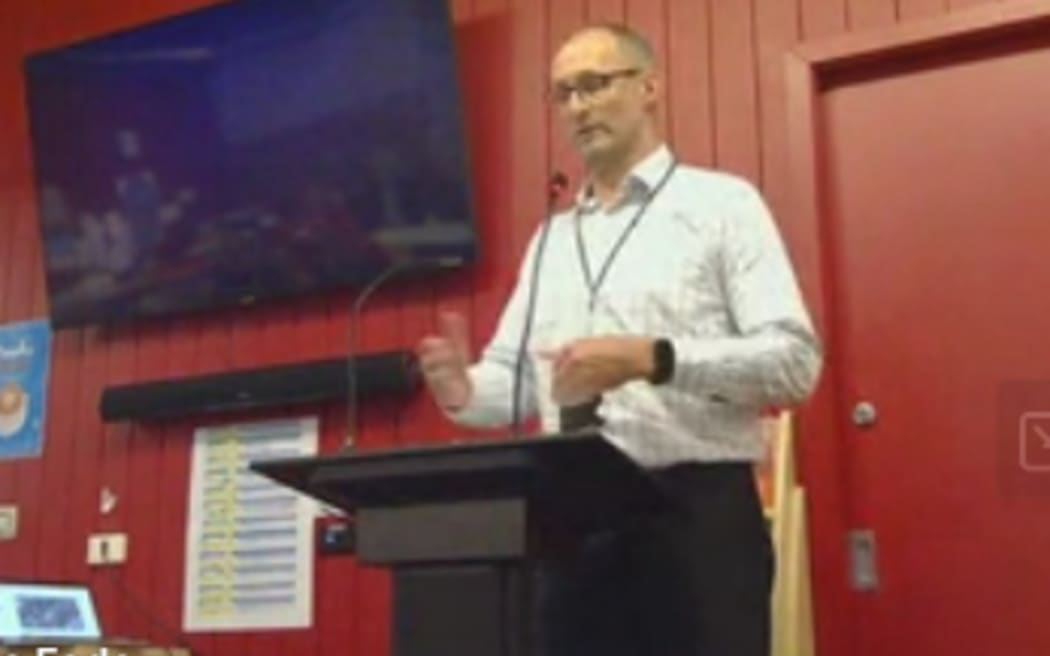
[(25, 365)]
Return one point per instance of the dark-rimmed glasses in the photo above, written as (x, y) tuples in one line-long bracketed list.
[(587, 85)]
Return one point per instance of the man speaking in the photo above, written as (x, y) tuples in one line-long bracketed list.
[(665, 303)]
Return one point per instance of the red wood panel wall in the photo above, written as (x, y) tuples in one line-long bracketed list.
[(725, 107)]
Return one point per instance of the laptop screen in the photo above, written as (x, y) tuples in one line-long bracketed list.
[(59, 613)]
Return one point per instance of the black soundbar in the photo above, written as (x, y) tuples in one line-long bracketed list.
[(383, 374)]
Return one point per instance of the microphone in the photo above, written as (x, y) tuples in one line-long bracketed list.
[(395, 269), (557, 184)]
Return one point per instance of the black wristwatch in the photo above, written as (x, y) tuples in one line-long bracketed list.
[(663, 362)]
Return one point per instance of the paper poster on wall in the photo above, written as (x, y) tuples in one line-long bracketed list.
[(25, 367), (249, 542)]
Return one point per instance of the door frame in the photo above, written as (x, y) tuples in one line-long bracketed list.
[(822, 452)]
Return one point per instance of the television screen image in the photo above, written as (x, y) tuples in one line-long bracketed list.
[(252, 150), (46, 612), (49, 614)]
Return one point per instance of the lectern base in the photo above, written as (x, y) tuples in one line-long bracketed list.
[(464, 526), (463, 610)]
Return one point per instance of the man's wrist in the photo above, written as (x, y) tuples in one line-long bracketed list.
[(644, 360), (662, 359), (459, 401)]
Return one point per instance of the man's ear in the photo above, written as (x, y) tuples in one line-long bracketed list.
[(651, 84)]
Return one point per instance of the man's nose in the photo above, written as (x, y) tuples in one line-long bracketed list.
[(577, 106)]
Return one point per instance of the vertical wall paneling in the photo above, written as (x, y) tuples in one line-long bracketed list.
[(776, 31), (18, 478), (528, 111), (912, 9), (956, 5), (120, 348), (690, 82), (736, 102), (649, 17), (52, 532), (89, 462), (822, 17), (605, 10), (864, 14), (725, 106), (461, 9), (486, 8), (564, 18), (142, 496)]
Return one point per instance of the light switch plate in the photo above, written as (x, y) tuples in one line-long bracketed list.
[(107, 549), (8, 523)]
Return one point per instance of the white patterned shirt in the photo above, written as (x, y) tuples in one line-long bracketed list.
[(706, 268)]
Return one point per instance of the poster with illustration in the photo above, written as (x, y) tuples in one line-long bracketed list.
[(25, 365)]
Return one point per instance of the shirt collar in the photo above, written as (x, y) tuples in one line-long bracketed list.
[(644, 177)]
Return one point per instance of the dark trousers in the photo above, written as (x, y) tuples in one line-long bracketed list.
[(693, 580)]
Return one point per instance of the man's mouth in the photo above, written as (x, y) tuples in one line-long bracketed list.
[(588, 131)]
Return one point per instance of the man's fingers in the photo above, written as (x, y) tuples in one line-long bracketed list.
[(454, 327), (557, 357), (548, 354), (429, 345), (568, 392), (437, 353), (444, 359), (440, 355)]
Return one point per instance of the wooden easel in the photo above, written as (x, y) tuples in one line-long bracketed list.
[(792, 606)]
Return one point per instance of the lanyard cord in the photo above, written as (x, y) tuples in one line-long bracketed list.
[(594, 285)]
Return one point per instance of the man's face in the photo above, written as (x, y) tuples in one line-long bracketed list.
[(602, 95)]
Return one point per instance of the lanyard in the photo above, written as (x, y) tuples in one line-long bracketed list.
[(594, 285)]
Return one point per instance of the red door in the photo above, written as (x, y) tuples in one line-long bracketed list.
[(936, 235)]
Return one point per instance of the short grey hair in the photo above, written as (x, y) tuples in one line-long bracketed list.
[(630, 40)]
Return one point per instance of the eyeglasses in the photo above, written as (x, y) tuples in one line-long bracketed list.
[(587, 85)]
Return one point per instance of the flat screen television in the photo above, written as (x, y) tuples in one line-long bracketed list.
[(247, 151)]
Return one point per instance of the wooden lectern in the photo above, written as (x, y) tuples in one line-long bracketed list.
[(462, 526)]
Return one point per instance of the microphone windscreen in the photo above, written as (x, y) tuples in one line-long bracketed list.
[(559, 181)]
